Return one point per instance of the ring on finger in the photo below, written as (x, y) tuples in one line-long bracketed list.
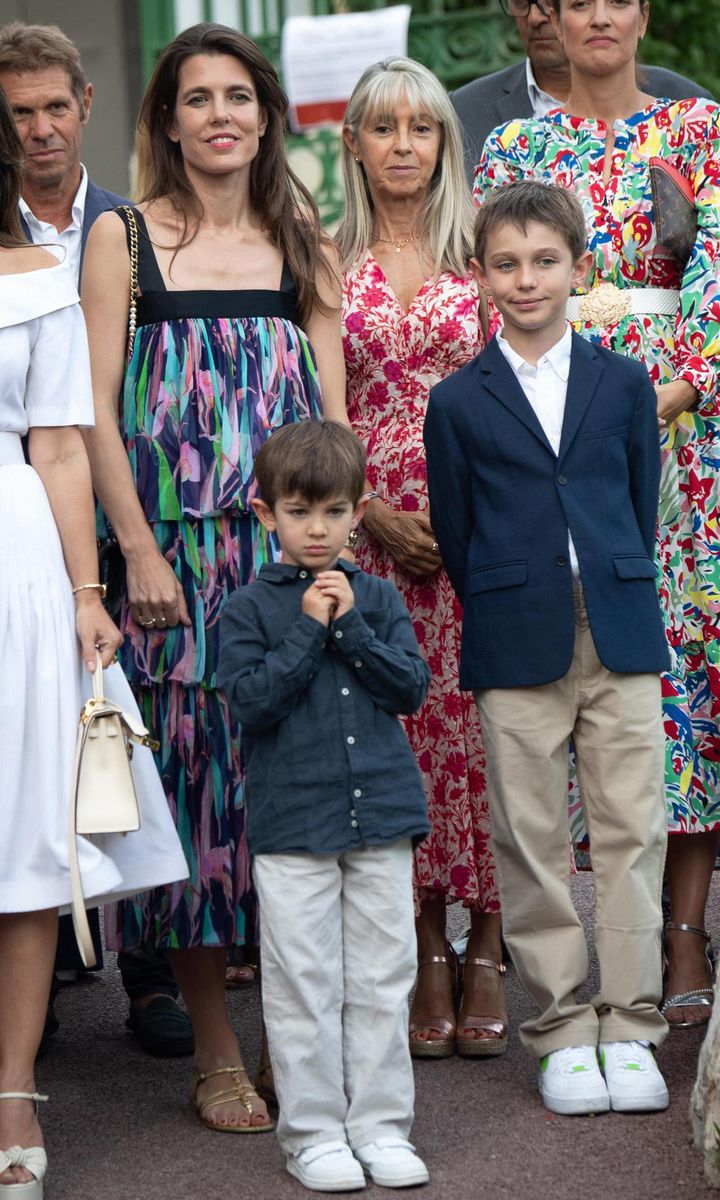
[(435, 547)]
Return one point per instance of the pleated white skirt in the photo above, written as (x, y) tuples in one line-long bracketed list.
[(43, 685)]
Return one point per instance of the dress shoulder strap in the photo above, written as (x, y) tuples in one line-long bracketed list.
[(149, 275), (287, 282)]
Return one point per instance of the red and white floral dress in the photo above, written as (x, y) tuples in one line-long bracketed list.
[(393, 358)]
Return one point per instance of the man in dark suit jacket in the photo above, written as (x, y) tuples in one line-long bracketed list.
[(543, 462), (43, 79), (533, 87)]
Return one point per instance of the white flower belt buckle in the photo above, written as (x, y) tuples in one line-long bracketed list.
[(606, 304)]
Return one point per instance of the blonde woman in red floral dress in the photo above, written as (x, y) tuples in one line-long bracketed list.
[(411, 317)]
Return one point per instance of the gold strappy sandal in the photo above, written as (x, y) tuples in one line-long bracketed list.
[(240, 1089), (444, 1046), (495, 1043)]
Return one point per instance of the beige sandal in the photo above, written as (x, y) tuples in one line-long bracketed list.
[(241, 1089), (32, 1158), (495, 1043)]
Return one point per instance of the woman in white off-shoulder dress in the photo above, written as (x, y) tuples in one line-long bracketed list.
[(47, 632)]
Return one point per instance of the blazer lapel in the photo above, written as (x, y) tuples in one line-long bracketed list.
[(500, 379), (514, 100), (585, 372)]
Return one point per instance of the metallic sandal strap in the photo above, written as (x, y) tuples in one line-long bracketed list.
[(688, 999), (682, 925), (435, 958), (486, 962)]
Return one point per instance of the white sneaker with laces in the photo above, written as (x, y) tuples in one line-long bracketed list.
[(392, 1162), (633, 1080), (570, 1082), (327, 1167)]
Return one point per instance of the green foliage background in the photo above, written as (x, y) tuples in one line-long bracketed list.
[(684, 35)]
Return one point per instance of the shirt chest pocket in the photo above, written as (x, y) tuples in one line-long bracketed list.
[(378, 619)]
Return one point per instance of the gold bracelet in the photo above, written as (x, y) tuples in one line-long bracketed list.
[(95, 587)]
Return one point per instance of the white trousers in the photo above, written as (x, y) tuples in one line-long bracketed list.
[(339, 957)]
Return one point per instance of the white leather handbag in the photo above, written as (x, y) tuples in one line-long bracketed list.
[(103, 797)]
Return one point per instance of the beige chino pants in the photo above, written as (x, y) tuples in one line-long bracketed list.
[(616, 724)]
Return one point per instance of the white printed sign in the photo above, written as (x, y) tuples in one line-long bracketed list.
[(323, 58)]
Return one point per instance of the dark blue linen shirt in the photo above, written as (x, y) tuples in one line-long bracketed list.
[(328, 767)]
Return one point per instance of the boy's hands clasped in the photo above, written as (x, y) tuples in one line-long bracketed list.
[(328, 597)]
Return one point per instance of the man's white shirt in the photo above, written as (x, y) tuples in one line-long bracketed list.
[(70, 239), (542, 102)]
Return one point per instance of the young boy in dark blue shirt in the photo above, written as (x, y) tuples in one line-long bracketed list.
[(317, 658)]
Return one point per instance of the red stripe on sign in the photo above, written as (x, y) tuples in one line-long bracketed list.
[(318, 114)]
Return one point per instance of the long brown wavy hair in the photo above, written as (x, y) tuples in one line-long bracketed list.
[(11, 165), (286, 208)]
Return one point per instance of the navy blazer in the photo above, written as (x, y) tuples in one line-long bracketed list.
[(502, 502), (97, 201)]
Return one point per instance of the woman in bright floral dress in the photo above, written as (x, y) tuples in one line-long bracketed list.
[(410, 316), (665, 311), (237, 327)]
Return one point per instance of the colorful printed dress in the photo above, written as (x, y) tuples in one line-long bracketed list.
[(622, 233), (393, 358), (212, 374)]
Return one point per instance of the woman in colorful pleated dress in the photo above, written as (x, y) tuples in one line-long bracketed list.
[(237, 333), (411, 316), (647, 172)]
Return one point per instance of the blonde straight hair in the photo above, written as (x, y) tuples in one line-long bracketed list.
[(447, 226)]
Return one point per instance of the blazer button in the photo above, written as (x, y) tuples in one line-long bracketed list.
[(562, 480), (561, 560)]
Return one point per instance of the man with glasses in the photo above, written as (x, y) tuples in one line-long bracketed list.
[(542, 82)]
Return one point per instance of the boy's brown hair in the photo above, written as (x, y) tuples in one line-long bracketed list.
[(520, 203), (312, 459)]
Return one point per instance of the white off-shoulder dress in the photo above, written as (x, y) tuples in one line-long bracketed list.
[(45, 381)]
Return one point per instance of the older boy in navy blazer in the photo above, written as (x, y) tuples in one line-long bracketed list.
[(544, 468)]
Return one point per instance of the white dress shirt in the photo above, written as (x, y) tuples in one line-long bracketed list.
[(546, 389), (45, 234), (542, 102)]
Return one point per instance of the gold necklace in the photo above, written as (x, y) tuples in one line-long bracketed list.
[(398, 245)]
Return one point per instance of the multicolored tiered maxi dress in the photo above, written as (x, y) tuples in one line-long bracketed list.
[(623, 238), (212, 374)]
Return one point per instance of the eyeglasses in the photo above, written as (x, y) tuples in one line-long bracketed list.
[(521, 8)]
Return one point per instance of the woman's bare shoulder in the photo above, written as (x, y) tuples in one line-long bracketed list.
[(19, 260)]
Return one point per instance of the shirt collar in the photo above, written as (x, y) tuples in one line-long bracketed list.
[(558, 356), (78, 204), (287, 572), (541, 102)]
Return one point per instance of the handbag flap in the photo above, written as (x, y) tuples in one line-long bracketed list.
[(675, 211)]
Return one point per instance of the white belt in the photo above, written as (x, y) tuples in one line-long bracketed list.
[(607, 304), (11, 451)]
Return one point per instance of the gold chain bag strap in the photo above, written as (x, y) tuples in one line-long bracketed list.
[(103, 797), (134, 287)]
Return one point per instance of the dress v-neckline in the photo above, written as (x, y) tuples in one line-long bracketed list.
[(405, 311)]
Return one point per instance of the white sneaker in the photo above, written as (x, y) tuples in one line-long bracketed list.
[(632, 1077), (392, 1162), (570, 1082), (327, 1167)]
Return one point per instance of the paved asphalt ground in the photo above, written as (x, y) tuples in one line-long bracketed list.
[(119, 1127)]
